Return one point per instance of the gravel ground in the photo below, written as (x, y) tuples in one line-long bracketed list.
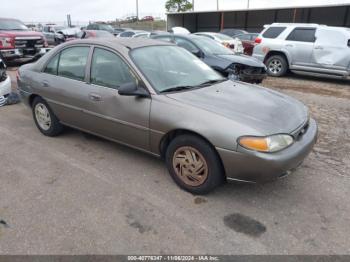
[(78, 194)]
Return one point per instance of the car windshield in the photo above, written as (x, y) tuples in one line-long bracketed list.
[(12, 25), (223, 37), (211, 47), (106, 27), (173, 68), (57, 28)]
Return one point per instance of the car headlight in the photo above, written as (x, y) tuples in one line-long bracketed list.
[(266, 144)]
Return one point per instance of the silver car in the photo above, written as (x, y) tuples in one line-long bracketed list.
[(304, 48), (161, 99)]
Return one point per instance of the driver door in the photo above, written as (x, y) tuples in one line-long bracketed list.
[(122, 118)]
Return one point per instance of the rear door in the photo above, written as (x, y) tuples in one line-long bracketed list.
[(300, 44), (63, 84), (332, 49)]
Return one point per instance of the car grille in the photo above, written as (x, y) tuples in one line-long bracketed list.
[(29, 42)]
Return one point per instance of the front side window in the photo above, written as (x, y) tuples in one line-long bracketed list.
[(73, 61), (172, 67), (186, 44), (302, 35), (273, 32), (51, 67), (109, 70)]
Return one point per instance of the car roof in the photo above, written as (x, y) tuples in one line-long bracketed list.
[(129, 43)]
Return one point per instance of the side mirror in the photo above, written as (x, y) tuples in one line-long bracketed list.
[(132, 89), (198, 53)]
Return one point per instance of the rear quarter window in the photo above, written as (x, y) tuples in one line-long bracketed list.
[(273, 32)]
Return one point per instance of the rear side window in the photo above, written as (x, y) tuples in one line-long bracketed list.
[(302, 35), (51, 67), (109, 70), (72, 62), (273, 32)]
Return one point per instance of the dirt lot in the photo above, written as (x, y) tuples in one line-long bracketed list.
[(77, 194)]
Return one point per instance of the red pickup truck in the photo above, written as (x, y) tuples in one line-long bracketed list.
[(18, 43)]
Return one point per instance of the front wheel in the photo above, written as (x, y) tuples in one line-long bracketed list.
[(276, 66), (194, 164), (45, 119)]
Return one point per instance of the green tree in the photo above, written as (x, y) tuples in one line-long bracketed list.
[(178, 5)]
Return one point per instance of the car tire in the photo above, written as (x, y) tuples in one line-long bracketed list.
[(45, 119), (276, 65), (194, 164)]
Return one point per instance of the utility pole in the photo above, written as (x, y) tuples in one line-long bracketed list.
[(192, 5), (137, 9), (217, 5), (248, 4)]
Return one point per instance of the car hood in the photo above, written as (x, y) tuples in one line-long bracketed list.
[(242, 59), (21, 33), (262, 109)]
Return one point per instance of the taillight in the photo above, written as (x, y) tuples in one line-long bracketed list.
[(7, 42), (258, 40)]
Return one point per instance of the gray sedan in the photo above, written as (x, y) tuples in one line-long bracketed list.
[(161, 99)]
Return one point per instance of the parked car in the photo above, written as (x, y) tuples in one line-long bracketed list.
[(248, 42), (94, 34), (53, 35), (5, 81), (161, 99), (220, 58), (131, 33), (304, 48), (131, 19), (100, 26), (148, 18), (18, 44), (233, 32), (117, 31), (227, 41)]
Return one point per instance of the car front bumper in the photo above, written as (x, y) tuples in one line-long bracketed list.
[(23, 55), (5, 86), (250, 166)]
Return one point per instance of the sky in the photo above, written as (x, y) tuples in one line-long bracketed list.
[(103, 10)]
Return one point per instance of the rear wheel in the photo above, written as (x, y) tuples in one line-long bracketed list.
[(194, 165), (276, 66), (45, 119)]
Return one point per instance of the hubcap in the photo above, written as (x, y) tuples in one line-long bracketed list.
[(190, 166), (275, 66), (42, 116)]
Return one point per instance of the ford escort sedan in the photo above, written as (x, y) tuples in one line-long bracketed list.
[(161, 99)]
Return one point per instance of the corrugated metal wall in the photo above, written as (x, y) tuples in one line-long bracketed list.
[(254, 20)]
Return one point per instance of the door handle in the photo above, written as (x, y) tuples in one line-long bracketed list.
[(45, 84), (95, 97), (319, 47)]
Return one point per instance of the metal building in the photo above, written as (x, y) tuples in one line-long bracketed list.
[(253, 20)]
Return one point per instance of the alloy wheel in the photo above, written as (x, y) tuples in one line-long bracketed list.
[(275, 66)]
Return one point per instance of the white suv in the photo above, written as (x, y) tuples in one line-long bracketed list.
[(304, 48), (5, 81)]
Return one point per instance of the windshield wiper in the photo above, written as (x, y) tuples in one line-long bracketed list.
[(176, 88), (210, 82)]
